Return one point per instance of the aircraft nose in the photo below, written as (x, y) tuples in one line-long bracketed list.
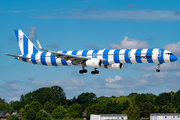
[(173, 58)]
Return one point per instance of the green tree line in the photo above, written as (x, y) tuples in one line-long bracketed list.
[(50, 103)]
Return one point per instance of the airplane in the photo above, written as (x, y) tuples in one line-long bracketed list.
[(110, 59)]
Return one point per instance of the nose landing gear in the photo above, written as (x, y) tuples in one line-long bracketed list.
[(158, 70)]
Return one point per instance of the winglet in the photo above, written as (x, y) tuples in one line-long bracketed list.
[(40, 47)]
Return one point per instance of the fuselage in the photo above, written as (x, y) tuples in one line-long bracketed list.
[(111, 59), (109, 56)]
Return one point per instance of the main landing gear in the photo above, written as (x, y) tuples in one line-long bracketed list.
[(95, 71), (92, 72), (82, 71), (158, 70)]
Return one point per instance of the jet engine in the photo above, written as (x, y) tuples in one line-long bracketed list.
[(93, 63), (114, 66)]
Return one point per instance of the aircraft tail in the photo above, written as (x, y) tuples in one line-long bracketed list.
[(25, 44)]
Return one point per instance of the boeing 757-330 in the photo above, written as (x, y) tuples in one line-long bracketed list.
[(110, 59)]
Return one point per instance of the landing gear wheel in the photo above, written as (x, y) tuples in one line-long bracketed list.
[(85, 71), (97, 72), (93, 72), (157, 70), (81, 71)]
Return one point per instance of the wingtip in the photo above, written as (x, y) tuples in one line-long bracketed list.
[(39, 45)]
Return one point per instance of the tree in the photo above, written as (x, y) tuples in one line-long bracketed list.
[(42, 95), (43, 115), (4, 105), (16, 105), (75, 111), (122, 99), (178, 109), (152, 98), (103, 101), (35, 105), (22, 112), (31, 114), (59, 113), (172, 93), (132, 94), (163, 99), (141, 98), (29, 96), (112, 107), (133, 112), (94, 109), (166, 108), (86, 99), (13, 117), (116, 107), (125, 105), (49, 107), (146, 109), (24, 101), (58, 94), (55, 94), (176, 99), (72, 101)]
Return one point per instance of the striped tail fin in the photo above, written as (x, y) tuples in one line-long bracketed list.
[(25, 44)]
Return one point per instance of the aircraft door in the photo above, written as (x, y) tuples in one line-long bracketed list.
[(130, 54), (159, 53)]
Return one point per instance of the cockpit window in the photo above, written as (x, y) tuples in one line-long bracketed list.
[(169, 54)]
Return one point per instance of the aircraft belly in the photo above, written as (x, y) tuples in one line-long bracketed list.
[(133, 60)]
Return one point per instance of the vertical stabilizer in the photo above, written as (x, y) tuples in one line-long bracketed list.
[(25, 44)]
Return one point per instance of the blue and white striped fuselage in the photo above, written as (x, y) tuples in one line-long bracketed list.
[(111, 59), (109, 56)]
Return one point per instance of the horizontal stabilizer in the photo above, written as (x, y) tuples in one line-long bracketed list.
[(17, 56)]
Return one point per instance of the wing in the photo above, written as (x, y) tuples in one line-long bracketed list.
[(75, 59)]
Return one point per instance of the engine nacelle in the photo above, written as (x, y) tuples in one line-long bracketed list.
[(93, 63), (114, 66)]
